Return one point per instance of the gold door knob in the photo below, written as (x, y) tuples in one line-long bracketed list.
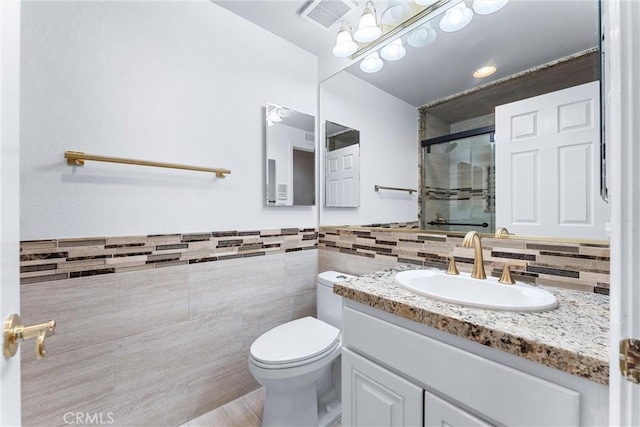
[(14, 332)]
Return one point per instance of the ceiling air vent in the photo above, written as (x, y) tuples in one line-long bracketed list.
[(325, 13)]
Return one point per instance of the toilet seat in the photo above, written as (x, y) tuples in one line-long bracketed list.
[(295, 343)]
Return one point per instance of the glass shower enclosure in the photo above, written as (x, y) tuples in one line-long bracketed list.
[(458, 182)]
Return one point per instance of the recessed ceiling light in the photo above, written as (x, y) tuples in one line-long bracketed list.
[(484, 72)]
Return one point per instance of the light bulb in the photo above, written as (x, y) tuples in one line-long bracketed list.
[(368, 29), (456, 18), (484, 71), (345, 45), (422, 36), (396, 12), (372, 63), (393, 51)]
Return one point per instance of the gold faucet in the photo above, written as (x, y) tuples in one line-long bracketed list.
[(472, 239)]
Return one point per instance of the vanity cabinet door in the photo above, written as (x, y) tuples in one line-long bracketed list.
[(438, 412), (376, 397)]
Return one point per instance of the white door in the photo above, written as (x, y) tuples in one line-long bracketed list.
[(9, 201), (548, 165), (622, 109), (376, 397), (342, 180)]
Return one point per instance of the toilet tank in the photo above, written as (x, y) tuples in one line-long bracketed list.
[(329, 304)]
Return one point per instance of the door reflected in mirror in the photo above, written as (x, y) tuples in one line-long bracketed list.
[(342, 166), (290, 152)]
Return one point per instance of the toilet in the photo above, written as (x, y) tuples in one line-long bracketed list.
[(298, 363)]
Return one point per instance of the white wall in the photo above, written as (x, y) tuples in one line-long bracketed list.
[(388, 150), (181, 82)]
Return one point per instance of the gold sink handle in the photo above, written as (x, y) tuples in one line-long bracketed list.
[(452, 269), (14, 332), (506, 278)]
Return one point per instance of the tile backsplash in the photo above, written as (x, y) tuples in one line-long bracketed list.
[(47, 260), (156, 330), (580, 266)]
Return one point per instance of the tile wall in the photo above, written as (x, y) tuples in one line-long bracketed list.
[(581, 266), (156, 330)]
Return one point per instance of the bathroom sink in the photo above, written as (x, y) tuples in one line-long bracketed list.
[(464, 290)]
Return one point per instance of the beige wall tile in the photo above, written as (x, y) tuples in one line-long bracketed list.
[(228, 380), (76, 381), (358, 265), (331, 260), (225, 286), (142, 361), (301, 271), (96, 309), (163, 405)]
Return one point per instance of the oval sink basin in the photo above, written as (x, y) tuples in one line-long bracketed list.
[(465, 290)]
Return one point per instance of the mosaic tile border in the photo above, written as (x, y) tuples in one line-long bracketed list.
[(47, 260), (578, 266)]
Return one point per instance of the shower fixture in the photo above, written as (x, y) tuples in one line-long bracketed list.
[(450, 146)]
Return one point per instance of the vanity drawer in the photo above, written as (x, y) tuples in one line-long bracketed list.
[(493, 391)]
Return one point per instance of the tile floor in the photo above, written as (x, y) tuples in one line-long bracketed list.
[(245, 411)]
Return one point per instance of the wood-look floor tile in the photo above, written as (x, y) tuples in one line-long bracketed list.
[(235, 414), (255, 400)]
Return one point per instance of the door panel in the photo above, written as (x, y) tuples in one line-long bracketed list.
[(547, 164), (343, 177), (9, 202)]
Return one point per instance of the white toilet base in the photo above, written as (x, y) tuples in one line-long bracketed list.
[(292, 394)]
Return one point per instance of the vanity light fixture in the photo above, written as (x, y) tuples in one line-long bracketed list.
[(485, 7), (345, 46), (372, 63), (394, 50), (396, 12), (456, 18), (422, 36), (484, 72), (368, 29)]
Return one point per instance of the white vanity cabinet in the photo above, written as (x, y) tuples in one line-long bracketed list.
[(397, 372), (378, 397)]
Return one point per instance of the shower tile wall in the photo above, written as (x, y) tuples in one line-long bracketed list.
[(580, 266), (156, 330)]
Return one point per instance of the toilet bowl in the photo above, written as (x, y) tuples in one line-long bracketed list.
[(298, 363)]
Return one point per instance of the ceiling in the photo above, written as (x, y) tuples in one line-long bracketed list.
[(520, 36)]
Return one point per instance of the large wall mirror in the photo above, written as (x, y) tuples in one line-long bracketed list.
[(290, 152), (537, 47), (342, 166)]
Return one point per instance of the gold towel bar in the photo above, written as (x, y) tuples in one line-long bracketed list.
[(77, 158)]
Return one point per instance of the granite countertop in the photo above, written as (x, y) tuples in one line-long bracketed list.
[(573, 337)]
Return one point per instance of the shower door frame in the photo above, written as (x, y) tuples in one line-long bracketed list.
[(427, 143)]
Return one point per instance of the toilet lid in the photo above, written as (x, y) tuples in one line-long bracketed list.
[(295, 341)]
